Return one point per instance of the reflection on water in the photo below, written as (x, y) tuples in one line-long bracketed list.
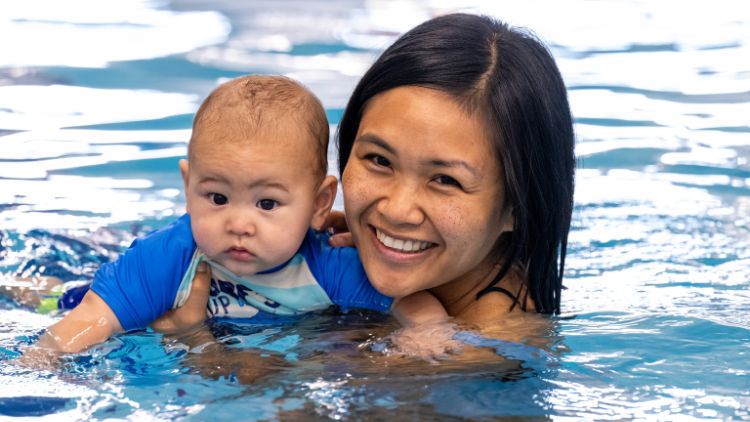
[(90, 33), (96, 101)]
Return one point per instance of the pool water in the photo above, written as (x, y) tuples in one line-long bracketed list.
[(96, 101)]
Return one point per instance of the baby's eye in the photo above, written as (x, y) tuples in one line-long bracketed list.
[(448, 181), (218, 199), (267, 204), (378, 160)]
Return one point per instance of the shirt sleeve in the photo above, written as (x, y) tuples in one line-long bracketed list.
[(340, 273), (142, 283)]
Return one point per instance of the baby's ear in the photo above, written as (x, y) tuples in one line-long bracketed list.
[(184, 172), (324, 198)]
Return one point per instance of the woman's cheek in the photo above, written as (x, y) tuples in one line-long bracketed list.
[(355, 188), (461, 222), (449, 217)]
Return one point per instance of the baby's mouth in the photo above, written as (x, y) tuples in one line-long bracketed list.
[(240, 254), (402, 245)]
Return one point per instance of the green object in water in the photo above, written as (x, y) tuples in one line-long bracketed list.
[(48, 302)]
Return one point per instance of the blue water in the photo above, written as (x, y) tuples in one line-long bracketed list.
[(96, 100)]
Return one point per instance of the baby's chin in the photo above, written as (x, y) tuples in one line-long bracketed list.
[(241, 269), (245, 268)]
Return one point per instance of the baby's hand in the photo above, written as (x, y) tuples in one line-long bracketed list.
[(39, 358), (430, 341)]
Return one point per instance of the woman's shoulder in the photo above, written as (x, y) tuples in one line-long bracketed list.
[(508, 296)]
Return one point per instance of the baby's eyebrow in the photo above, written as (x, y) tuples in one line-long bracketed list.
[(269, 183), (257, 183), (212, 179)]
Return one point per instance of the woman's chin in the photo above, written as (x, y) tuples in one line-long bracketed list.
[(391, 288)]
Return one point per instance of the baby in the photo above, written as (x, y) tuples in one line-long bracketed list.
[(256, 192)]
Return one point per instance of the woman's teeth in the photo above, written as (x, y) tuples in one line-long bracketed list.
[(400, 244)]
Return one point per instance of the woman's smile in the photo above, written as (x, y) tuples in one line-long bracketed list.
[(409, 246), (399, 250)]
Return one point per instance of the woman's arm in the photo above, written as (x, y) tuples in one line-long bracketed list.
[(192, 314), (206, 356), (419, 308), (213, 359)]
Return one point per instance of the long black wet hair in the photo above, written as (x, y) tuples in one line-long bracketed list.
[(508, 78)]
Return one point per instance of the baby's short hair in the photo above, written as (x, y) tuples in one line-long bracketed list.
[(256, 101)]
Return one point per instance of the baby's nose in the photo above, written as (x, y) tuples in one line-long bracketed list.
[(241, 224)]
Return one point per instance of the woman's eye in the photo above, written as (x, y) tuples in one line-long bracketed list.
[(378, 160), (267, 204), (218, 199), (448, 181)]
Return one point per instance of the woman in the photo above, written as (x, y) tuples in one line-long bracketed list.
[(459, 138), (457, 167)]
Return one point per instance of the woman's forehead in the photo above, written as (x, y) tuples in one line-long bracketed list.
[(427, 119)]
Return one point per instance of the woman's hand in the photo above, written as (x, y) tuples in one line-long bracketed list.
[(431, 341), (336, 224), (192, 314)]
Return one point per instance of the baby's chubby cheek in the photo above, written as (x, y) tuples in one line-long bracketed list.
[(203, 237)]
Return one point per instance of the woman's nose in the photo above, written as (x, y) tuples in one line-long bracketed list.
[(401, 205)]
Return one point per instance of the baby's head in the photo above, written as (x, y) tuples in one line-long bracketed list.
[(255, 178)]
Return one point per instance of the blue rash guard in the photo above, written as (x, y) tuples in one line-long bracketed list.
[(155, 274)]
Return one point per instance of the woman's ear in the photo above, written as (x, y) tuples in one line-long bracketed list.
[(323, 203), (507, 221)]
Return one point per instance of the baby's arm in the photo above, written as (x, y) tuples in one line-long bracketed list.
[(93, 321), (419, 308), (89, 323)]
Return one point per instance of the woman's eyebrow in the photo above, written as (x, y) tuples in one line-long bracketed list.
[(454, 163), (376, 140)]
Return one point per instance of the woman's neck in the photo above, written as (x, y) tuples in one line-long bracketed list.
[(459, 295)]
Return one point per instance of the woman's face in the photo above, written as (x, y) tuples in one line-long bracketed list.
[(423, 193)]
